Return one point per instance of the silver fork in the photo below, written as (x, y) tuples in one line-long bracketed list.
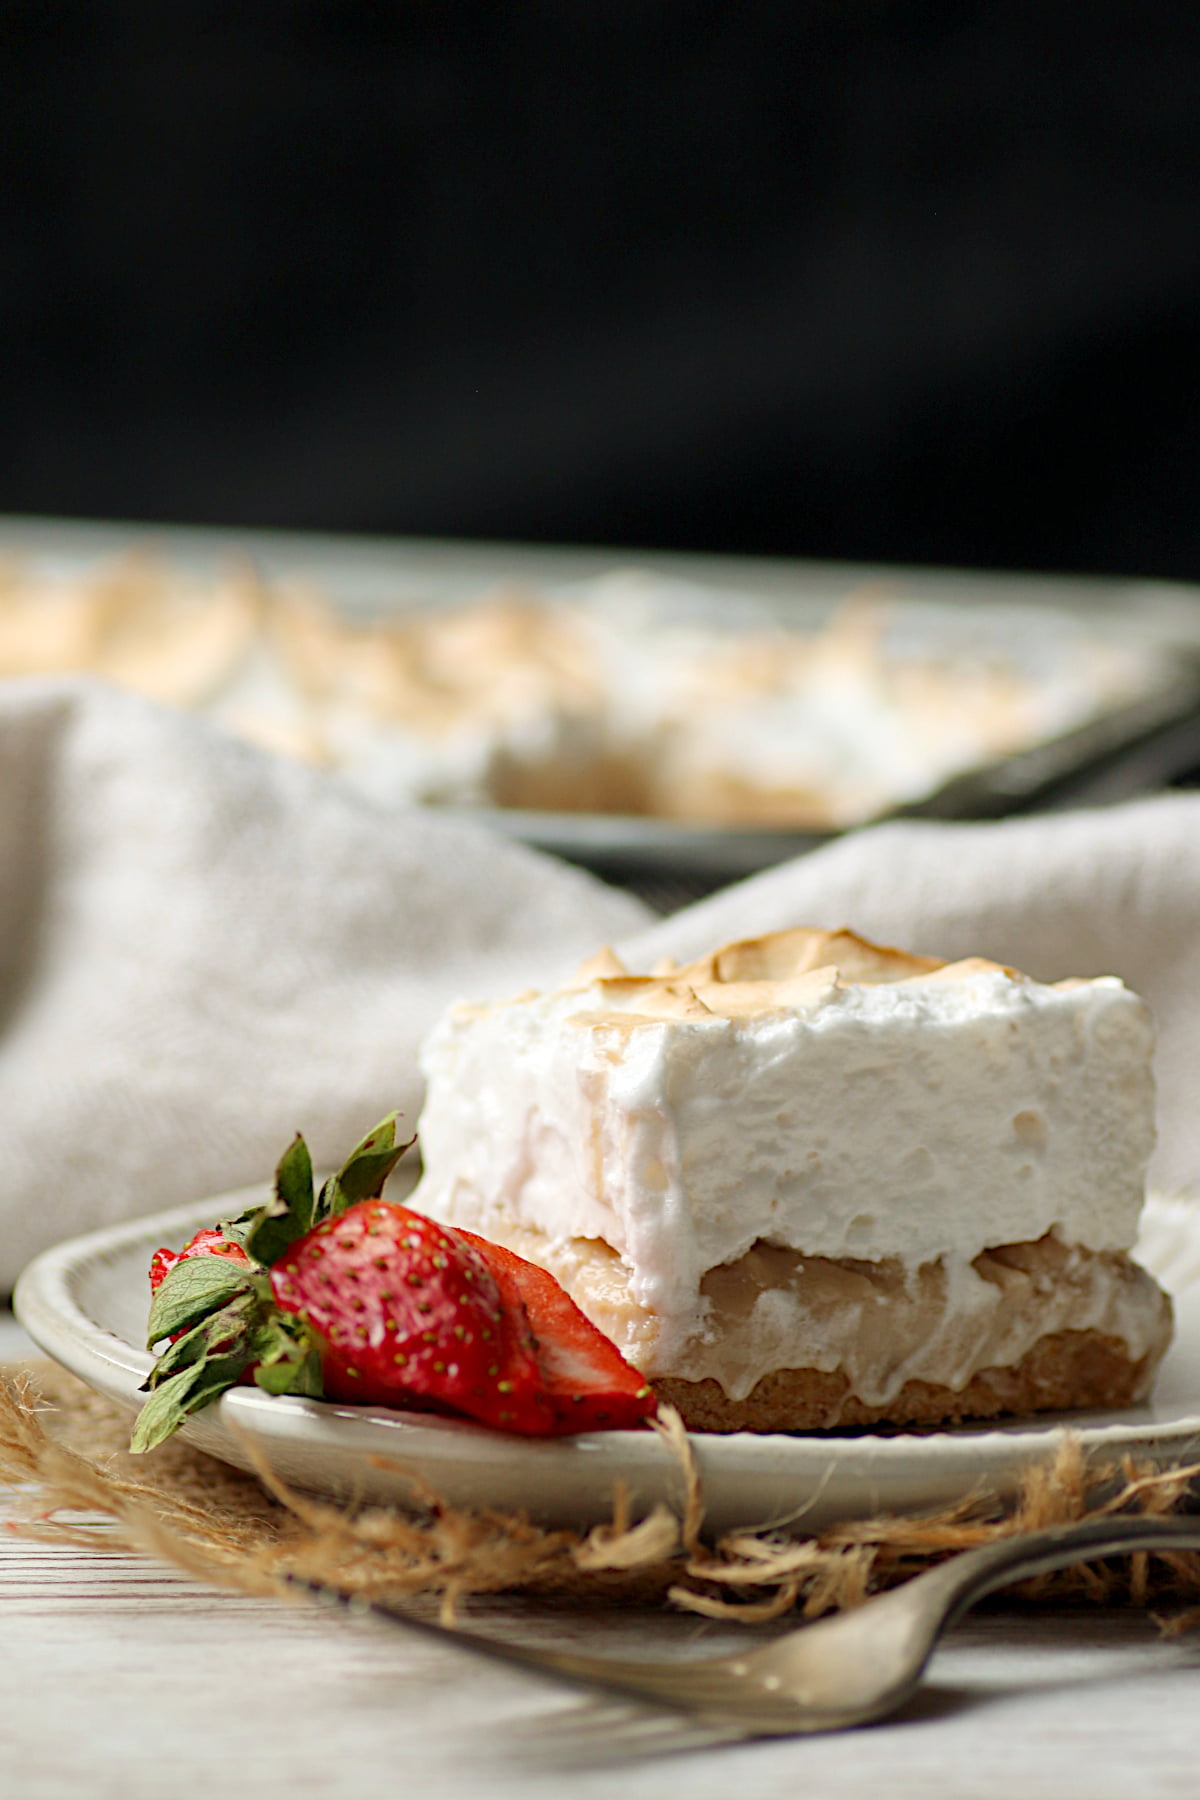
[(848, 1670)]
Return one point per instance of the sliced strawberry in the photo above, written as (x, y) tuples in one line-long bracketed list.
[(344, 1295), (208, 1242), (589, 1384), (410, 1315)]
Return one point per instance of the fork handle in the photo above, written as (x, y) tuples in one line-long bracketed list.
[(968, 1577)]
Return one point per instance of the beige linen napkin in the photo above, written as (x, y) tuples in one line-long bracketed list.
[(204, 948)]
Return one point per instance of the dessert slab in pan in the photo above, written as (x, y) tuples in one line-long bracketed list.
[(1127, 750), (85, 1303), (1133, 743)]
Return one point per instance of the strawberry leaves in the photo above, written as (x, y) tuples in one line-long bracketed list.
[(290, 1211), (288, 1358), (215, 1301), (362, 1175), (194, 1288), (196, 1369), (242, 1333), (267, 1231)]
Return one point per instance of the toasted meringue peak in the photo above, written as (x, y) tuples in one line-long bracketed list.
[(970, 965), (642, 997), (782, 955), (605, 965), (796, 968)]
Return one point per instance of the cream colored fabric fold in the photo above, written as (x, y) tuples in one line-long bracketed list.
[(205, 948)]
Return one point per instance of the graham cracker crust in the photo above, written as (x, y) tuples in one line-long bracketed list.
[(1062, 1372)]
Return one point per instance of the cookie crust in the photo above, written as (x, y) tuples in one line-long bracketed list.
[(1064, 1371)]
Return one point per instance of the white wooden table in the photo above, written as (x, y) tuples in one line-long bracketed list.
[(121, 1679)]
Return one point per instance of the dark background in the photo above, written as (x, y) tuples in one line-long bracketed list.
[(907, 281)]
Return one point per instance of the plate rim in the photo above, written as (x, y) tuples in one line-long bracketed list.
[(956, 1458)]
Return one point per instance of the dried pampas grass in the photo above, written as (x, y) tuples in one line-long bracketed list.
[(62, 1449)]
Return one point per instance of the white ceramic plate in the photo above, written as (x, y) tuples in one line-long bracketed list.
[(85, 1304)]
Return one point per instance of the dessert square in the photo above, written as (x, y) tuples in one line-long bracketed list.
[(808, 1181)]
